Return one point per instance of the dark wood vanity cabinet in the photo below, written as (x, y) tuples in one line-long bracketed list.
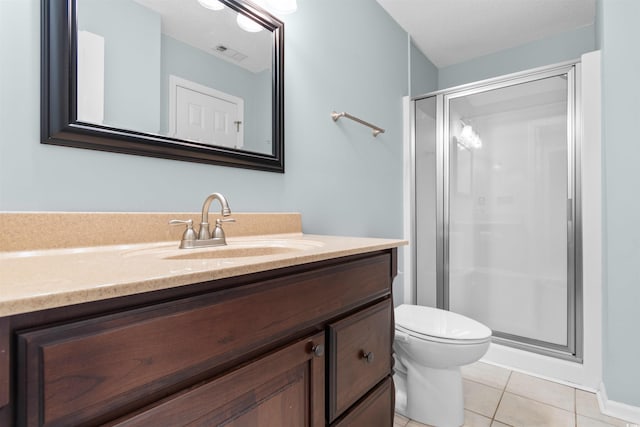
[(308, 345), (359, 355), (285, 388)]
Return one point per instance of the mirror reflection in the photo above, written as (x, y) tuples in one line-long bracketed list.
[(193, 70)]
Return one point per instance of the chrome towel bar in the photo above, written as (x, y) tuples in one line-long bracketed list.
[(376, 130)]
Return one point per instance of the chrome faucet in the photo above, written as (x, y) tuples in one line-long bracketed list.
[(205, 238)]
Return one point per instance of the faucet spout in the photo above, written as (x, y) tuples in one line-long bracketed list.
[(205, 232)]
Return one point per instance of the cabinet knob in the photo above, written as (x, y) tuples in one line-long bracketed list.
[(368, 356), (317, 349)]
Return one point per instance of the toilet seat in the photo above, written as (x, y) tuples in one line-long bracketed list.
[(434, 324), (430, 346), (404, 334)]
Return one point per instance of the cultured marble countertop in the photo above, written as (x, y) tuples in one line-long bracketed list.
[(42, 279)]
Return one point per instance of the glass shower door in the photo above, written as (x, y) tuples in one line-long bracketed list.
[(509, 210), (428, 122)]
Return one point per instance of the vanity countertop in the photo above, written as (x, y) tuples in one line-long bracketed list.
[(40, 279)]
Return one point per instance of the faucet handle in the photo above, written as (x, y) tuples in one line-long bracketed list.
[(189, 222), (219, 221), (218, 233), (189, 235)]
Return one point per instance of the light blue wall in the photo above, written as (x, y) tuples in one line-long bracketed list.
[(562, 47), (424, 75), (338, 176), (132, 61), (344, 180), (619, 34), (197, 66)]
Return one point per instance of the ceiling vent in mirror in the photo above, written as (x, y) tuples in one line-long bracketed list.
[(230, 53)]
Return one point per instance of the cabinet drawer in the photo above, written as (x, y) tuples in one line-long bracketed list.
[(360, 351), (376, 410), (95, 370), (284, 389)]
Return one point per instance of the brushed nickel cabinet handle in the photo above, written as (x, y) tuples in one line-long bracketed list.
[(368, 356), (317, 350)]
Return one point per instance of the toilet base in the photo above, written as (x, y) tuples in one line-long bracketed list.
[(400, 383), (432, 396)]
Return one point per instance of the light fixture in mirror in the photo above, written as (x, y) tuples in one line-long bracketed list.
[(282, 7), (165, 78), (211, 4), (248, 25)]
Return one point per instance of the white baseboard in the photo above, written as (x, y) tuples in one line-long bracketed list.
[(617, 409)]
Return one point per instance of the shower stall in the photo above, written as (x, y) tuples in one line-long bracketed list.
[(497, 207)]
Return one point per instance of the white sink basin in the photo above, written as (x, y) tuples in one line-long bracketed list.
[(237, 248)]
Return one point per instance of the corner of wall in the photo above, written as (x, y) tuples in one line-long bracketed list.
[(598, 25), (617, 409)]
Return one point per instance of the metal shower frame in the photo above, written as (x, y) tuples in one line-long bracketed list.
[(573, 351)]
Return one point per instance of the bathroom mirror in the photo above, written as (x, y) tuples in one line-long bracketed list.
[(192, 80)]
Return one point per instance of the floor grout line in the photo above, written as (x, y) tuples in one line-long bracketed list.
[(484, 384), (493, 418), (539, 401), (503, 390), (575, 407)]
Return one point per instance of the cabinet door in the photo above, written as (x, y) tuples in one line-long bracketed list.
[(283, 389), (374, 411), (360, 352)]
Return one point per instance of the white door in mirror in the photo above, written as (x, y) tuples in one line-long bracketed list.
[(90, 77), (206, 115)]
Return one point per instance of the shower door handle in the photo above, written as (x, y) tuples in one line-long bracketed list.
[(570, 226)]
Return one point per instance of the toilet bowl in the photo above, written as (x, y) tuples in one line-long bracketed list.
[(430, 346)]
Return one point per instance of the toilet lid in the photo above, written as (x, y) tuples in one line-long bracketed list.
[(439, 323)]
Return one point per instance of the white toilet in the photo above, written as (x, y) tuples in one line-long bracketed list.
[(430, 347)]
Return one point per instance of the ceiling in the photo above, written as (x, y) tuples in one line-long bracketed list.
[(204, 29), (453, 31)]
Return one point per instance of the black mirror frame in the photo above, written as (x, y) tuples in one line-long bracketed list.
[(59, 101)]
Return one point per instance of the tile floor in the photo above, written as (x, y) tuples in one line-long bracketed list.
[(498, 397)]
